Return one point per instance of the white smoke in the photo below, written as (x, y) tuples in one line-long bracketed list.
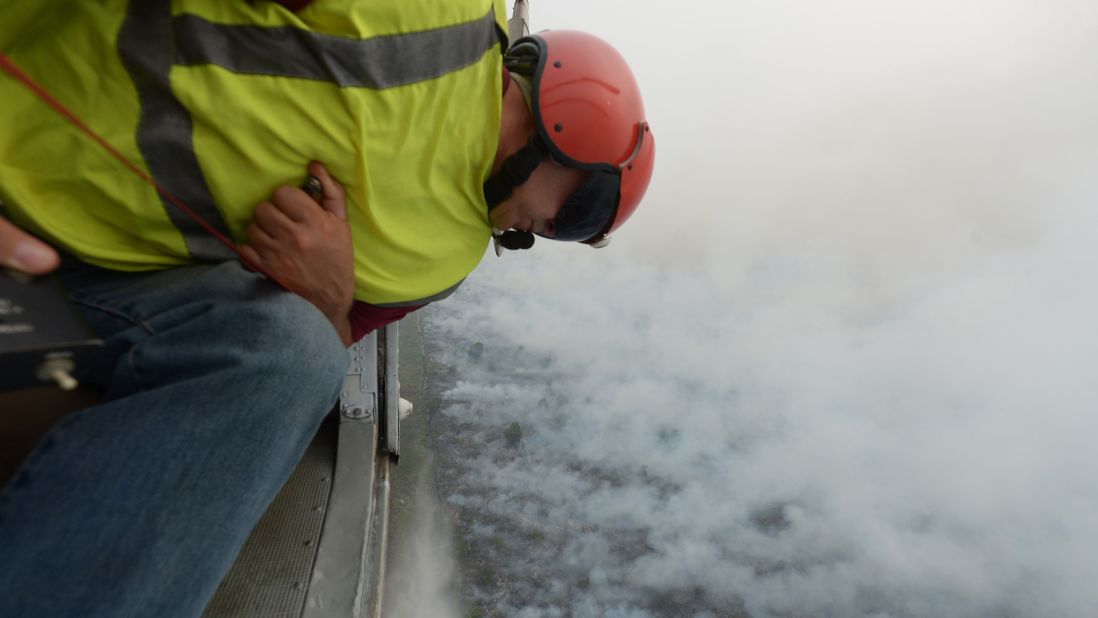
[(840, 364), (422, 575)]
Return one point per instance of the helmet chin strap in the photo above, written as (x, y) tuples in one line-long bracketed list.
[(497, 189)]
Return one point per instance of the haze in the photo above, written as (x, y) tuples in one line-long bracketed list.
[(841, 362)]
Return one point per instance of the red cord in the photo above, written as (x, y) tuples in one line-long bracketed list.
[(12, 69)]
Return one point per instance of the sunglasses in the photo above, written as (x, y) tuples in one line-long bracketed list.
[(590, 209)]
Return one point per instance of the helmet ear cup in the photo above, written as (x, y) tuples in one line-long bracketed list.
[(522, 57)]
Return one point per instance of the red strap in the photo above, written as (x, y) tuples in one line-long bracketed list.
[(12, 69)]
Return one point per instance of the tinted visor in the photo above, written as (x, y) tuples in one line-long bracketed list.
[(590, 209)]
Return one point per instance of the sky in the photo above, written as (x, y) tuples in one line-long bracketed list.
[(841, 361)]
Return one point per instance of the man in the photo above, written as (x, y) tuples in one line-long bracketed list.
[(216, 378)]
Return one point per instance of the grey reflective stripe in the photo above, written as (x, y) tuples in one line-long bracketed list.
[(379, 62), (164, 129), (423, 301)]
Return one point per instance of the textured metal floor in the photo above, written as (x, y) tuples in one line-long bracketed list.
[(271, 576)]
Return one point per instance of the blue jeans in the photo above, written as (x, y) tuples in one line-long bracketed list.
[(216, 380)]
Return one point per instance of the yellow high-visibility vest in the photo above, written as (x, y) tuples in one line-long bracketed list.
[(222, 102)]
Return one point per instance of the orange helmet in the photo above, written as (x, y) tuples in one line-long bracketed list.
[(589, 115)]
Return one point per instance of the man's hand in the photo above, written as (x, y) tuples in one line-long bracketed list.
[(308, 246), (23, 252)]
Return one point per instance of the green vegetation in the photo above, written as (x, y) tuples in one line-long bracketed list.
[(485, 577), (476, 352), (513, 435)]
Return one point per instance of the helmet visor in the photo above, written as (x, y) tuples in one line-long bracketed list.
[(589, 209)]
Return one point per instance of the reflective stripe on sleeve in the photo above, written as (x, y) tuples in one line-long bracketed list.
[(377, 63)]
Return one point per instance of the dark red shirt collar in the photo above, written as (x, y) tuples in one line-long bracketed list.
[(295, 5)]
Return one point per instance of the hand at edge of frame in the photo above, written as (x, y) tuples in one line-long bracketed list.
[(22, 252)]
